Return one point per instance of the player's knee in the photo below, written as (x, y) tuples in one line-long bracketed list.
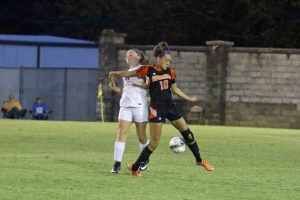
[(188, 136)]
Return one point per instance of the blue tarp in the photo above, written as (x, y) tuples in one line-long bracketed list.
[(47, 51), (43, 39)]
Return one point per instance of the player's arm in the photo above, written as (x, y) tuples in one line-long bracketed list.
[(141, 72), (115, 88), (181, 94), (114, 74), (122, 74), (140, 84)]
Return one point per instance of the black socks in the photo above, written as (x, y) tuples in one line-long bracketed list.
[(117, 164), (144, 156), (192, 144)]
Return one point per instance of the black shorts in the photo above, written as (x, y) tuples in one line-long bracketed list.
[(159, 113)]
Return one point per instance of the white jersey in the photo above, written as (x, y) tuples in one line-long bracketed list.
[(133, 96)]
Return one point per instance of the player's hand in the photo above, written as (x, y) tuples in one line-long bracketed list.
[(113, 81), (194, 99), (112, 85), (112, 76)]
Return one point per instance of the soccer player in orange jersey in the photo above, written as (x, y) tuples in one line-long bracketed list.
[(161, 85)]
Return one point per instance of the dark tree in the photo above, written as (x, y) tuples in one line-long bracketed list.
[(180, 22)]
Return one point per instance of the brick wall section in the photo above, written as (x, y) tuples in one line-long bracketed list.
[(263, 89), (236, 86)]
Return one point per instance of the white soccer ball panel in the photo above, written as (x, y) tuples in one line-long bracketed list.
[(177, 145)]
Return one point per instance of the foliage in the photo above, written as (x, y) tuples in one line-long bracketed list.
[(180, 22)]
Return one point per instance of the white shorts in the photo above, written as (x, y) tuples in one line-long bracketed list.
[(132, 114)]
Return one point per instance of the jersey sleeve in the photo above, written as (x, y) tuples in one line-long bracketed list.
[(173, 75), (142, 71)]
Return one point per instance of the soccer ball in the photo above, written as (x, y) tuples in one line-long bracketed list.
[(177, 145)]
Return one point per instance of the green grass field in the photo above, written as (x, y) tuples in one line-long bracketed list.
[(72, 160)]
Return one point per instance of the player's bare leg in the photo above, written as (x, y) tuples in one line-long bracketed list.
[(141, 132), (155, 134)]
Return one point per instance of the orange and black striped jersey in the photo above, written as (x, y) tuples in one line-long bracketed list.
[(160, 82)]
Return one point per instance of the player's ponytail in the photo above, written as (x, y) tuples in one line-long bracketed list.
[(142, 60), (161, 49)]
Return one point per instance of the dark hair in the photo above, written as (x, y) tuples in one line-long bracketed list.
[(38, 98), (142, 60), (161, 49)]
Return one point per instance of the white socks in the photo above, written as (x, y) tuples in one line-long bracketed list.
[(120, 148), (119, 151), (142, 146)]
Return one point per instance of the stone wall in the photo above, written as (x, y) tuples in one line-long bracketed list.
[(263, 89), (236, 86)]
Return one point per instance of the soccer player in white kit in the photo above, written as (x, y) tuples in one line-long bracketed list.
[(133, 108)]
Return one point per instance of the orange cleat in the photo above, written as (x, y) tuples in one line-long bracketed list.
[(134, 173), (205, 164)]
